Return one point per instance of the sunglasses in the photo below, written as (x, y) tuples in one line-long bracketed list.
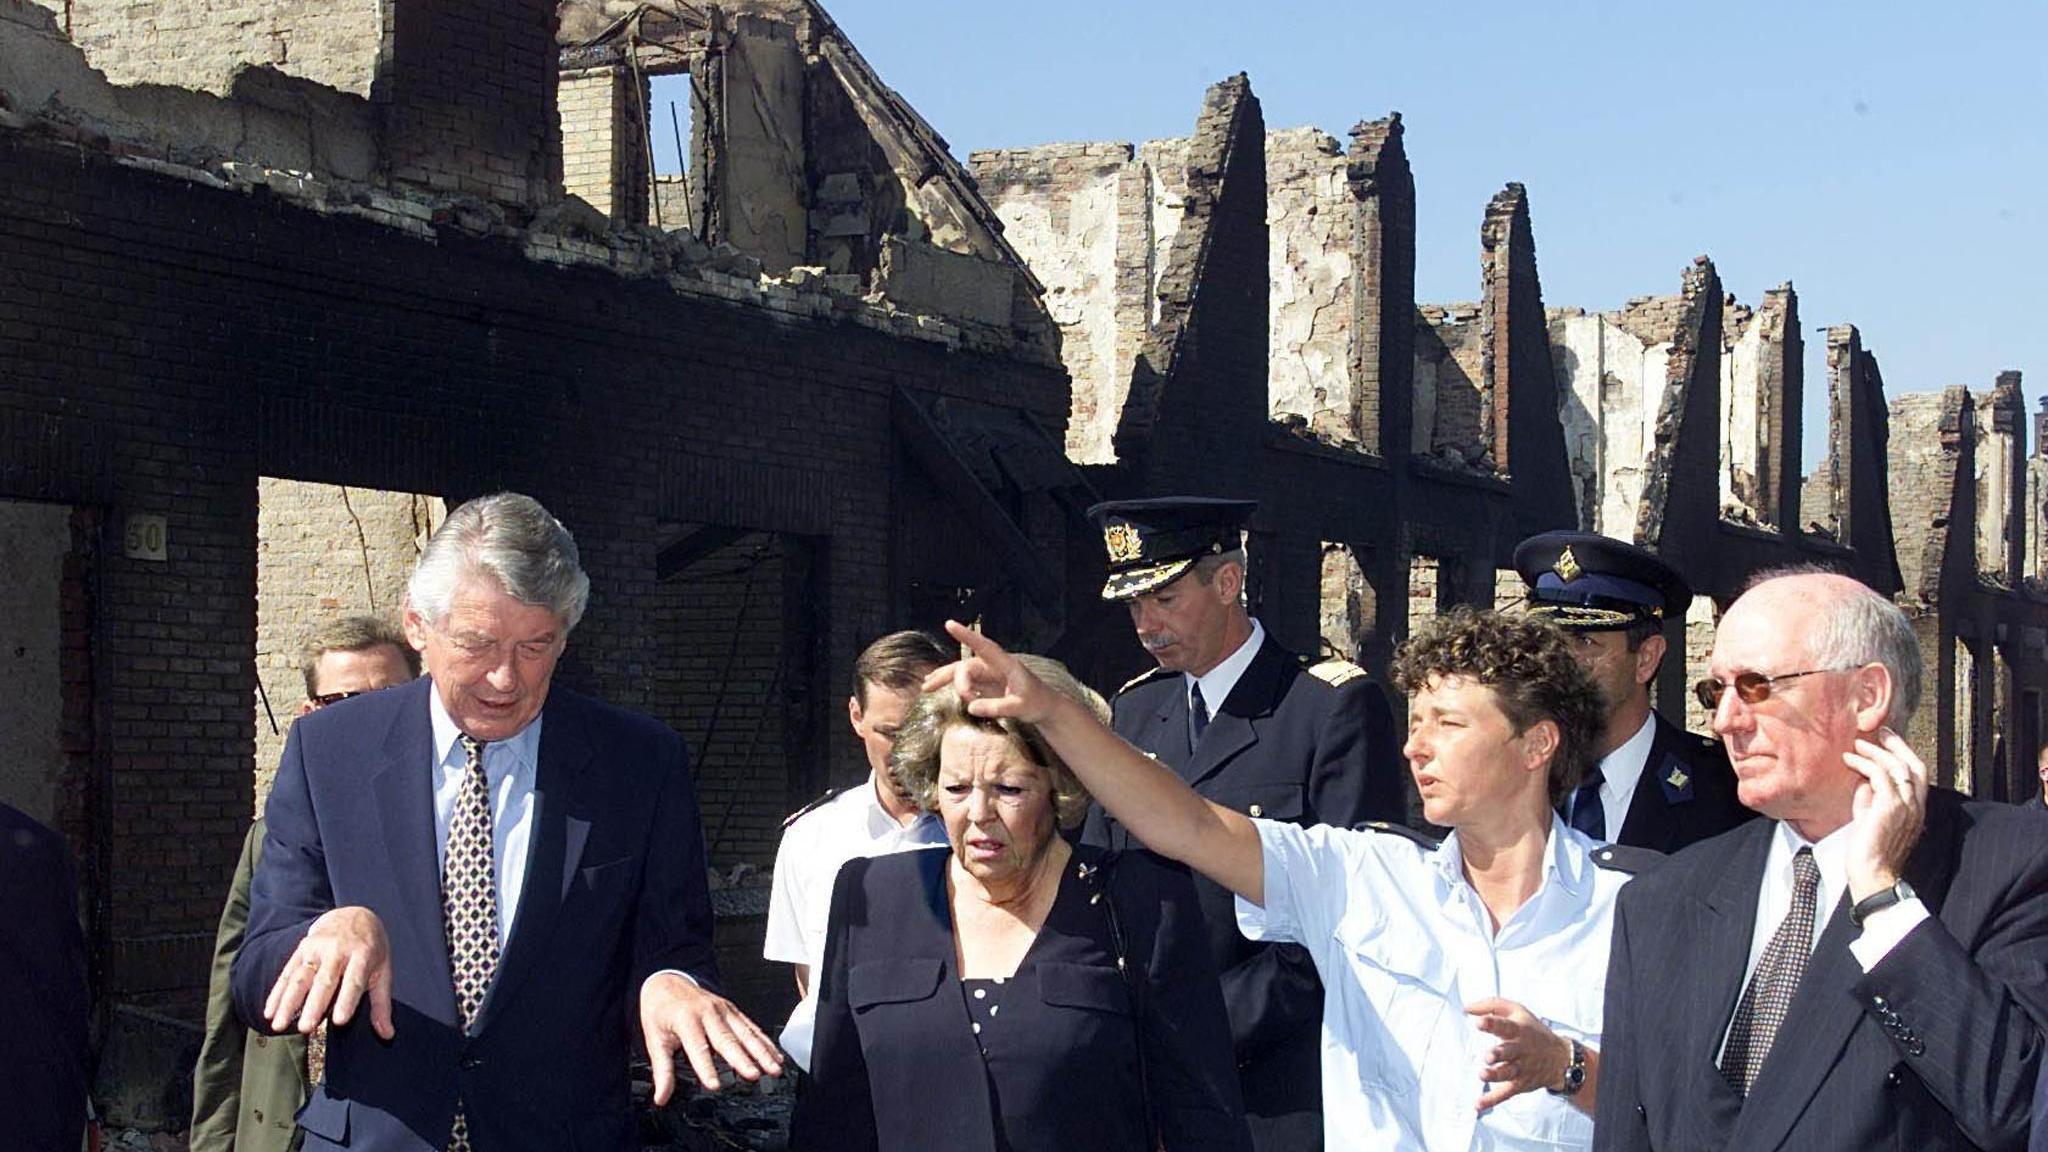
[(325, 699), (1750, 687)]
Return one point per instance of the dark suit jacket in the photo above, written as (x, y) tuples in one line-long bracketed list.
[(1686, 793), (897, 1067), (614, 892), (43, 998), (247, 1086), (1936, 1047), (1289, 746)]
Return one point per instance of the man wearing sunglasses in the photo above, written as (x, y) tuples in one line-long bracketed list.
[(1865, 968), (1654, 785), (247, 1086)]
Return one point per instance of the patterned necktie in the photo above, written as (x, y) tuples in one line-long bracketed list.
[(1588, 814), (1198, 712), (1771, 989), (469, 903)]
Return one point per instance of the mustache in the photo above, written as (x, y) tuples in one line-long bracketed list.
[(1158, 640)]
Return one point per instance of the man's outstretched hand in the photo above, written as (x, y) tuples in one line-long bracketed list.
[(677, 1015), (343, 956)]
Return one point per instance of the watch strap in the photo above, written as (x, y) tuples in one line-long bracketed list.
[(1878, 901)]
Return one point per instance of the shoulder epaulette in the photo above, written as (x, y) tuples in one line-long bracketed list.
[(800, 813), (1334, 672), (1626, 858), (1145, 677), (1429, 843)]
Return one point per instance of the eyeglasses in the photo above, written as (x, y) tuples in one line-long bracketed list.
[(1750, 687), (323, 700)]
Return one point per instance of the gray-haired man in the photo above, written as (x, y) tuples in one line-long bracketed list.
[(511, 875)]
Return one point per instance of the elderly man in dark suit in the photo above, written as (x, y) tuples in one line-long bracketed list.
[(1868, 968), (43, 997), (503, 871), (1250, 727), (1653, 784)]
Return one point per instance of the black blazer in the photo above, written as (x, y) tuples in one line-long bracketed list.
[(43, 998), (614, 892), (1286, 745), (1686, 793), (895, 1065), (1937, 1047)]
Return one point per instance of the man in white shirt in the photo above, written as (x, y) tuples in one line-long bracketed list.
[(1654, 785), (1863, 969), (868, 819)]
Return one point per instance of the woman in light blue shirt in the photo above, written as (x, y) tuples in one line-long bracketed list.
[(1462, 981)]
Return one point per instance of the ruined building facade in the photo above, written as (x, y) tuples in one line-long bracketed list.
[(277, 291), (1400, 448), (342, 292)]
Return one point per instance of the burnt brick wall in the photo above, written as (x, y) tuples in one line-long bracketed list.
[(466, 91), (163, 344)]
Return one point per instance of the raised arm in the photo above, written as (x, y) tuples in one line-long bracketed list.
[(1154, 804)]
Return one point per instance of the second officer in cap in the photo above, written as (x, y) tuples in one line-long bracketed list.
[(1249, 726), (1655, 784)]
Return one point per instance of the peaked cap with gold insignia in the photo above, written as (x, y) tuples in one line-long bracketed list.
[(1591, 583), (1151, 543)]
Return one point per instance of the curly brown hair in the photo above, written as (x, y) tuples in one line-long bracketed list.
[(1530, 668)]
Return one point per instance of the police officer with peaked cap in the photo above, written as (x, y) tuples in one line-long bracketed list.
[(1656, 785), (1251, 727)]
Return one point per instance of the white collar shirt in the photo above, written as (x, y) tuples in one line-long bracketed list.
[(1403, 943), (1221, 681), (1879, 934), (510, 767), (1620, 771), (852, 824)]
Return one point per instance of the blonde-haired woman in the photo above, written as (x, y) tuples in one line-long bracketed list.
[(1011, 992)]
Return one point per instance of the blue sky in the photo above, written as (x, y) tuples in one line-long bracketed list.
[(1889, 159)]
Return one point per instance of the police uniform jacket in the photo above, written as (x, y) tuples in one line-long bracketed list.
[(1685, 794), (1079, 1050), (1285, 745)]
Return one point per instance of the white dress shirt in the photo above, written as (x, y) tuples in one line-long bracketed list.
[(1403, 943), (1881, 932), (1620, 771), (852, 824), (1221, 680), (509, 769)]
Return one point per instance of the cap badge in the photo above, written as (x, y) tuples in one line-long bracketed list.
[(1567, 566), (1123, 542)]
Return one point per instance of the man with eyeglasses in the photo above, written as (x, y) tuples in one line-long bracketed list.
[(1654, 785), (247, 1086), (483, 881), (1863, 969)]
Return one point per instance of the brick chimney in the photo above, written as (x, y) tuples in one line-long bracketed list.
[(465, 90)]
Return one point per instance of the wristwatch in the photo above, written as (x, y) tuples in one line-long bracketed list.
[(1878, 901), (1575, 1072)]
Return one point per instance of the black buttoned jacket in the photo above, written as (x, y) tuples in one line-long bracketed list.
[(1286, 745)]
